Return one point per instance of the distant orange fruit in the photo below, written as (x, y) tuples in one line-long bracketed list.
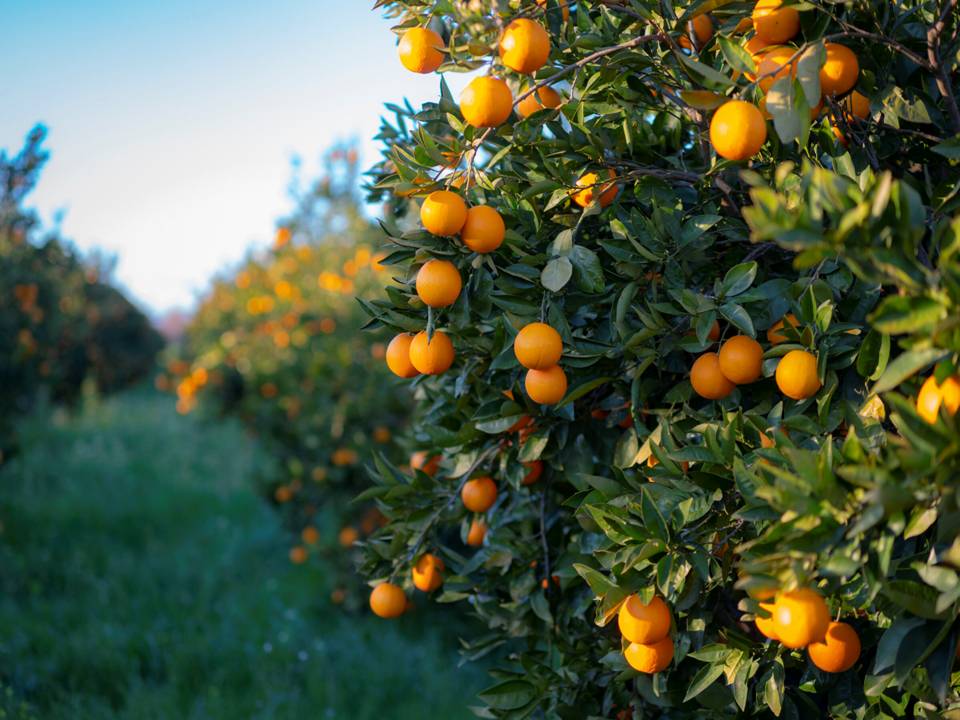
[(932, 396), (347, 536), (486, 102), (737, 130), (838, 651), (298, 555), (534, 471), (439, 283), (477, 532), (310, 535), (562, 4), (545, 97), (773, 23), (857, 105), (800, 617), (421, 50), (644, 623), (538, 346), (483, 232), (797, 375), (652, 658), (398, 356), (433, 357), (741, 359), (708, 380), (774, 337), (766, 625), (592, 190), (443, 213), (428, 573), (283, 494), (524, 46), (388, 600), (702, 29), (421, 460), (840, 71), (479, 494), (547, 386)]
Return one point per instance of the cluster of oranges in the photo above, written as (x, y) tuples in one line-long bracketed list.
[(933, 396), (739, 362), (646, 627)]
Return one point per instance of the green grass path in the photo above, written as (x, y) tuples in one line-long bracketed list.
[(141, 577)]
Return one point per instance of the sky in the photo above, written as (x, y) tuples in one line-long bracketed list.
[(173, 124)]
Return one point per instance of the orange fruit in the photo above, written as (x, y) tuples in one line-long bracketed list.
[(702, 29), (773, 23), (564, 8), (840, 71), (534, 471), (546, 387), (545, 97), (298, 555), (797, 375), (756, 46), (484, 230), (388, 600), (479, 494), (433, 357), (650, 658), (421, 50), (538, 346), (439, 283), (641, 623), (398, 356), (347, 536), (774, 64), (714, 333), (477, 532), (524, 46), (592, 190), (932, 396), (486, 102), (740, 359), (421, 460), (765, 624), (857, 105), (708, 380), (838, 651), (428, 573), (774, 337), (800, 617), (737, 130), (443, 213), (310, 535)]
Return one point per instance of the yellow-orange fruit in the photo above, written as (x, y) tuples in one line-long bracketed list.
[(641, 623), (545, 97), (428, 573), (708, 380), (443, 213), (564, 8), (486, 102), (421, 50), (776, 63), (773, 23), (774, 337), (433, 357), (477, 532), (800, 617), (593, 190), (388, 600), (652, 658), (797, 375), (547, 386), (932, 396), (398, 356), (538, 346), (741, 358), (765, 624), (534, 471), (838, 651), (857, 105), (439, 283), (484, 229), (737, 130), (702, 29), (423, 461), (479, 494), (840, 71), (524, 46)]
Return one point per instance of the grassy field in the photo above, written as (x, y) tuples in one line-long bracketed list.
[(140, 577)]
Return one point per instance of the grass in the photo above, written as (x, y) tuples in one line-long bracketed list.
[(141, 577)]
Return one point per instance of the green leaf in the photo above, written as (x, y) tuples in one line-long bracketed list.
[(588, 273), (704, 678), (738, 278), (556, 274), (905, 366), (736, 55), (508, 695), (901, 314), (949, 148)]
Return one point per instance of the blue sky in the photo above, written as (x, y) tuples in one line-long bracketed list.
[(172, 124)]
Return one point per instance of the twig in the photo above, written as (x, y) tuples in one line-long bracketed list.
[(933, 55)]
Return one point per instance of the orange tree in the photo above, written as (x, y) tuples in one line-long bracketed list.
[(686, 289), (61, 322), (277, 343)]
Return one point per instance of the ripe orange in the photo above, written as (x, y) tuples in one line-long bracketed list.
[(857, 105), (347, 536), (388, 600), (840, 71), (443, 213), (740, 359), (534, 471), (765, 624), (310, 535), (434, 357), (524, 46), (774, 64), (298, 555), (479, 494), (477, 532), (651, 658), (838, 651), (538, 346), (708, 380), (439, 283), (421, 50), (714, 333), (932, 396), (641, 623), (702, 29), (398, 356), (797, 375), (545, 97), (420, 460), (774, 23), (546, 387), (564, 8), (428, 573), (592, 190), (737, 130), (800, 617), (774, 337), (756, 46), (486, 102), (484, 230)]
